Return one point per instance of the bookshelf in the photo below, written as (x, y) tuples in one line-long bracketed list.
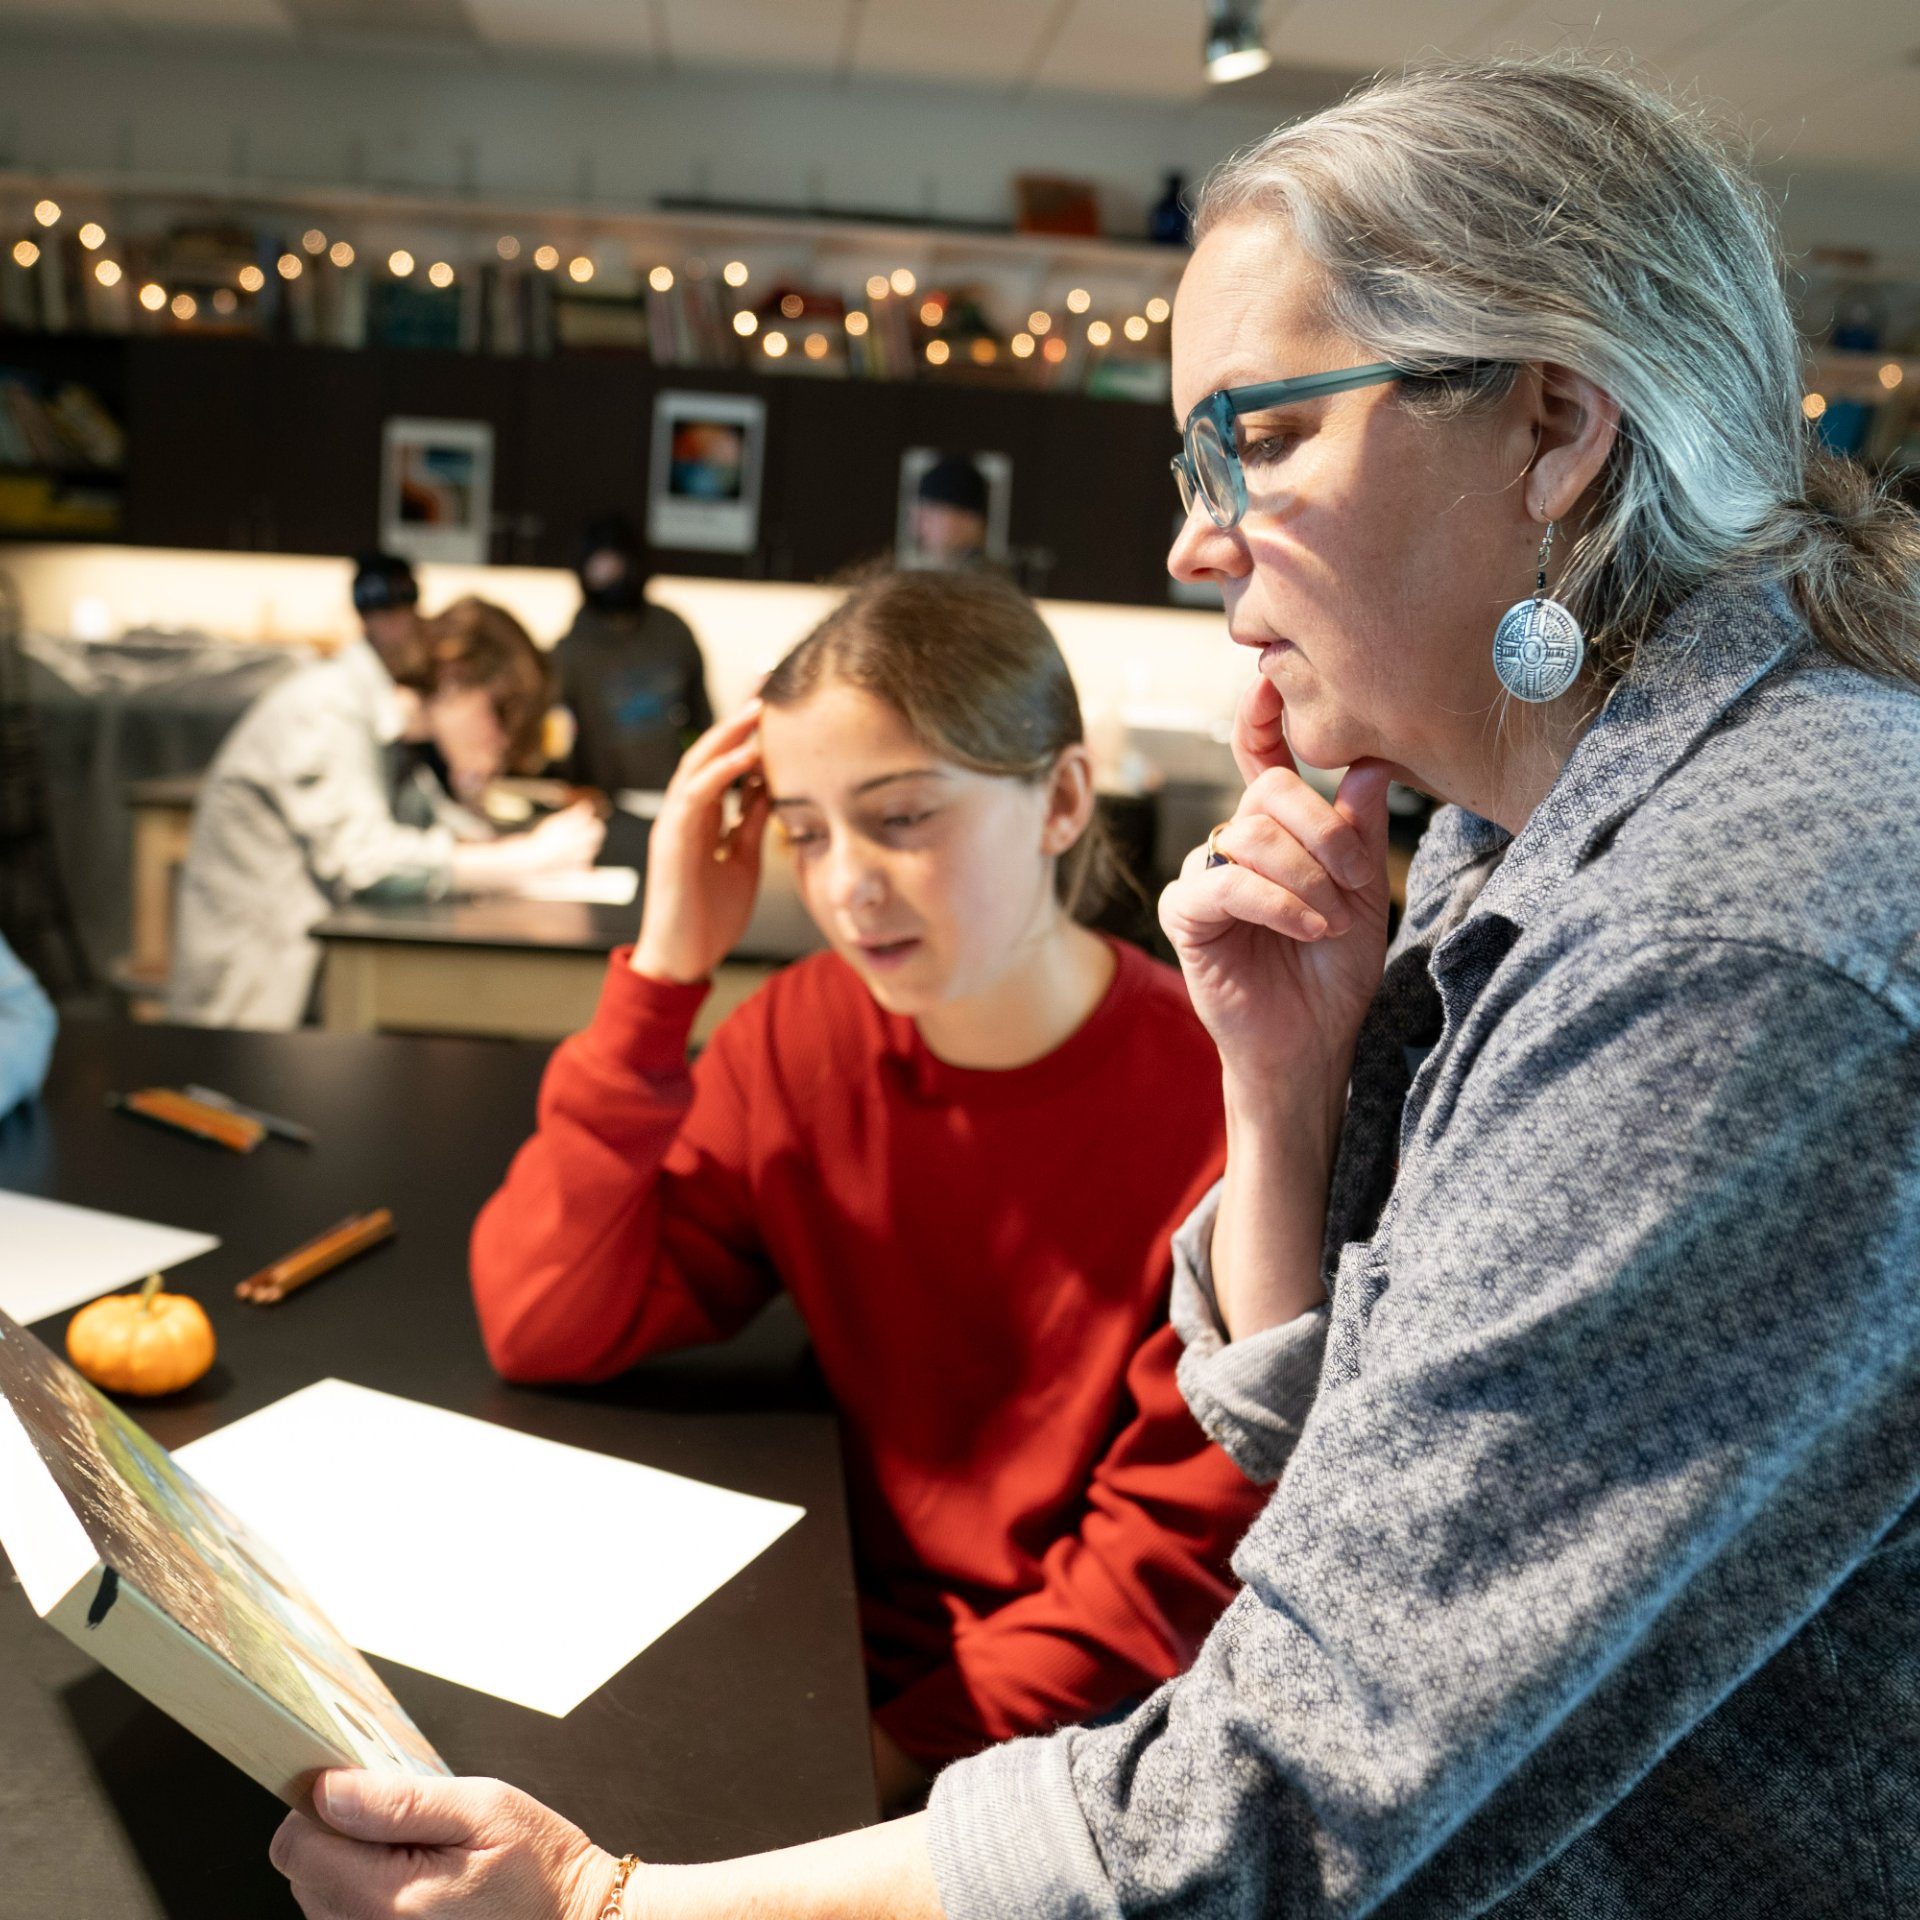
[(691, 285)]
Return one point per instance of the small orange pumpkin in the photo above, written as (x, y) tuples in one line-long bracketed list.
[(143, 1343)]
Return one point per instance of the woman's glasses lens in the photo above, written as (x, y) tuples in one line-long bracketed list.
[(1216, 470)]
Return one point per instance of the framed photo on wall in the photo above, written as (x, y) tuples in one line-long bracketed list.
[(436, 490), (953, 508), (703, 478)]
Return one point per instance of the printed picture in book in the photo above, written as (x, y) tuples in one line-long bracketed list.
[(171, 1539)]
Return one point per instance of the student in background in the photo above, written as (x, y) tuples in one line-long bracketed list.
[(298, 812), (960, 1139), (27, 1027), (630, 672), (387, 598)]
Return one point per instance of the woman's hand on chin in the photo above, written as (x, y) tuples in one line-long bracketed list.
[(390, 1844), (1282, 949)]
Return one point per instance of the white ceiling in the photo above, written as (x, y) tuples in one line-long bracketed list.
[(1827, 81)]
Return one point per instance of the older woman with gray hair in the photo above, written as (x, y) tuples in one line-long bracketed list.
[(1565, 1258)]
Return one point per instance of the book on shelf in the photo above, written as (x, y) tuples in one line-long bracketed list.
[(120, 1550)]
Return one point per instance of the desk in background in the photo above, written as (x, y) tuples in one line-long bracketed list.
[(744, 1727)]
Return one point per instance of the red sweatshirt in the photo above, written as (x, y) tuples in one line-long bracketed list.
[(981, 1259)]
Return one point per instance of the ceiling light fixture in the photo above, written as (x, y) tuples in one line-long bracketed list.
[(1234, 47)]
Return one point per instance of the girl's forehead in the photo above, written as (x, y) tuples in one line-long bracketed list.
[(837, 740)]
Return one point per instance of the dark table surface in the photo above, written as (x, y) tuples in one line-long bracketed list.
[(555, 926), (743, 1727)]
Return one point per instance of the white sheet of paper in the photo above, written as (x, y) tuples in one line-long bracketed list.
[(590, 886), (515, 1566), (53, 1256)]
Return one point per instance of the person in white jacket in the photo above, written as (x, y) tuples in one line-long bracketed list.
[(27, 1027), (310, 803)]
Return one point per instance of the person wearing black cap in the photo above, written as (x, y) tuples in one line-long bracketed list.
[(950, 514), (630, 672), (387, 598)]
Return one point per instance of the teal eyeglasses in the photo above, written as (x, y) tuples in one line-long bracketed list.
[(1207, 467)]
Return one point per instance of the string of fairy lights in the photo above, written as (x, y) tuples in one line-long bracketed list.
[(789, 325)]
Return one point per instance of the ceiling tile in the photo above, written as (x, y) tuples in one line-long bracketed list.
[(605, 29), (987, 42), (199, 16), (756, 33), (1370, 34), (1127, 46)]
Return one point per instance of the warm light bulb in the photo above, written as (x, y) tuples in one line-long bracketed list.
[(153, 296), (580, 268), (734, 273), (440, 274), (25, 253), (877, 287), (546, 258), (314, 240), (340, 254), (251, 279), (792, 306), (290, 266), (1079, 300), (983, 352), (1157, 309), (1099, 333), (1022, 346), (774, 345), (185, 306), (399, 263), (107, 272), (1039, 321), (931, 312), (937, 353), (816, 346), (1136, 327), (1054, 351), (93, 236), (1814, 405), (746, 325), (1892, 374), (507, 247), (856, 324), (46, 211), (225, 300), (660, 279), (901, 280)]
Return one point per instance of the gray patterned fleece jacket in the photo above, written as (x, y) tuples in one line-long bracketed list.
[(1593, 1583)]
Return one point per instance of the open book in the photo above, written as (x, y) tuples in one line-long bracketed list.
[(148, 1573)]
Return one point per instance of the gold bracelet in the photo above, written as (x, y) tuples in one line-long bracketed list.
[(621, 1875)]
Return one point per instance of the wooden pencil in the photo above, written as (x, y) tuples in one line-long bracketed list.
[(338, 1244)]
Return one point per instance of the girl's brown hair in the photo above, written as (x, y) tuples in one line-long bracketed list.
[(969, 665), (474, 643)]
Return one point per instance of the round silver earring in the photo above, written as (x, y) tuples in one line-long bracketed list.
[(1538, 645)]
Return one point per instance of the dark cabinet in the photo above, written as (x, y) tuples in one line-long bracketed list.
[(195, 472), (265, 446)]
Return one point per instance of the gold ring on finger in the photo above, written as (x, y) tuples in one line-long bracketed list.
[(1215, 857)]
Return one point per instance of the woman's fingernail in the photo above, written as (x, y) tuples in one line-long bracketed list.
[(338, 1797), (1356, 869), (1312, 927)]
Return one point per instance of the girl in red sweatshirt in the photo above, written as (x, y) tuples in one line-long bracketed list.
[(960, 1139)]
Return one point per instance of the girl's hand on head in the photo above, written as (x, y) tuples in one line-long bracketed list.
[(1282, 949), (387, 1844), (702, 875)]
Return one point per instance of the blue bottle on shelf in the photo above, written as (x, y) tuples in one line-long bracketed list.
[(1167, 223)]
